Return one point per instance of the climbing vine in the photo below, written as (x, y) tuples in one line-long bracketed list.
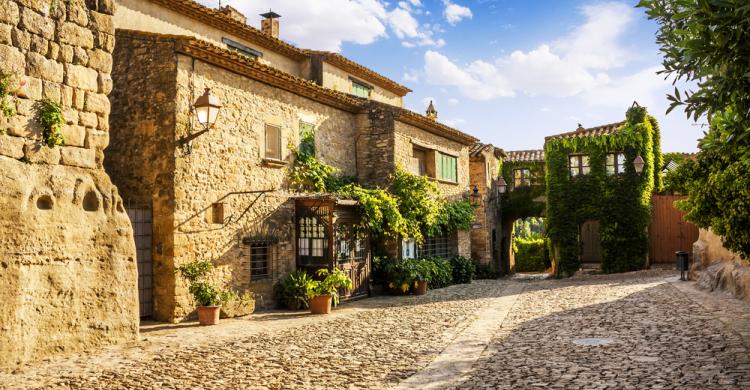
[(411, 207), (621, 203), (7, 88), (50, 116), (523, 201)]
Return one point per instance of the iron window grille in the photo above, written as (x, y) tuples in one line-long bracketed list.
[(312, 240), (579, 165), (260, 260), (444, 245), (350, 244), (615, 163)]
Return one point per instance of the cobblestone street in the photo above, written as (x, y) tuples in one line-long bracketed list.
[(517, 333)]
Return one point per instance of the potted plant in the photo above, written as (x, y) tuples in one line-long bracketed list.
[(326, 291), (206, 295), (410, 274), (293, 291)]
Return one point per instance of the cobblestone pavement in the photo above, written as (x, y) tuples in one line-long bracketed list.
[(663, 335)]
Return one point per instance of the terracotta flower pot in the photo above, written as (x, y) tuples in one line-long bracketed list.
[(421, 287), (209, 315), (321, 304)]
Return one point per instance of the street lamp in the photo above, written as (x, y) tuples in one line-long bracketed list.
[(501, 185), (638, 164), (207, 109), (475, 196)]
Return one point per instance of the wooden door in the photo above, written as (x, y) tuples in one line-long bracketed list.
[(352, 251), (669, 232), (591, 244)]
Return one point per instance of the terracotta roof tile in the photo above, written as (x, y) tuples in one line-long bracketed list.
[(435, 127), (524, 155), (590, 132)]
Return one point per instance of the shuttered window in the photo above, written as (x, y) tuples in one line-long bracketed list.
[(360, 90), (447, 167), (273, 142)]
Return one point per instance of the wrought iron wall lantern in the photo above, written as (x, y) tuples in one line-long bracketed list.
[(207, 109), (501, 185), (475, 196), (638, 164)]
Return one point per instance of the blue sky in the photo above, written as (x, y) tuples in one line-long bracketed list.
[(509, 72)]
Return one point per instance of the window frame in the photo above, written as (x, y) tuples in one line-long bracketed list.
[(582, 170), (618, 167), (279, 148), (443, 245), (525, 177), (262, 249), (241, 49), (422, 164), (356, 84)]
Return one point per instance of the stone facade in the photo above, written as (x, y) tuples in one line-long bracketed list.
[(226, 165), (340, 80), (483, 168), (68, 277)]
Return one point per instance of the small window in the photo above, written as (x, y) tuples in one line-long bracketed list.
[(361, 90), (217, 213), (443, 245), (579, 165), (420, 162), (615, 163), (260, 253), (408, 248), (273, 142), (447, 167), (241, 49), (521, 178)]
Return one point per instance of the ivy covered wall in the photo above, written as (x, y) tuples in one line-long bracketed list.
[(620, 202)]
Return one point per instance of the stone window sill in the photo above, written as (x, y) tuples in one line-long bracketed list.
[(274, 163), (447, 182)]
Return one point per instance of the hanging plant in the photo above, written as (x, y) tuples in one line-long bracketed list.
[(7, 89), (50, 116)]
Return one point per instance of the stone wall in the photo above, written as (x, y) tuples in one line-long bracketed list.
[(68, 277), (144, 15), (482, 169), (340, 80), (717, 268)]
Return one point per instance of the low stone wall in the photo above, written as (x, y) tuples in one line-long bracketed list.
[(719, 269), (68, 276)]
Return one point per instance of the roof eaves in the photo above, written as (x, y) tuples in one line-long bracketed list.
[(435, 127), (361, 71), (607, 129)]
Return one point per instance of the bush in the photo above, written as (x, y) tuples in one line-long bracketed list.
[(292, 292), (485, 271), (463, 270), (531, 254), (442, 273), (204, 292)]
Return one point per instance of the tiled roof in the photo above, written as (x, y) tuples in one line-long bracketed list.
[(435, 127), (217, 19), (361, 71), (478, 148), (590, 132), (524, 155)]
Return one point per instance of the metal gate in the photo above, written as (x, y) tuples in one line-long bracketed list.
[(591, 243), (669, 232), (140, 217)]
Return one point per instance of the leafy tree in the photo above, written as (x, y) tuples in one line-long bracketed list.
[(706, 42)]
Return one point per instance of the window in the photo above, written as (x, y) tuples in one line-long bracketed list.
[(615, 163), (217, 213), (408, 248), (273, 142), (443, 245), (306, 138), (241, 49), (521, 178), (361, 90), (447, 167), (579, 165), (419, 162), (259, 256), (313, 235)]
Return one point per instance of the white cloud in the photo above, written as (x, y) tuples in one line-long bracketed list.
[(453, 101), (411, 77), (574, 64), (454, 13), (326, 25)]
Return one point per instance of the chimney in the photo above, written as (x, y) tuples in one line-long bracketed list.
[(270, 23), (233, 13), (431, 111)]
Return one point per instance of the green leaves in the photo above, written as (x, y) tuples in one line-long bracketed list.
[(204, 292), (49, 115), (7, 87)]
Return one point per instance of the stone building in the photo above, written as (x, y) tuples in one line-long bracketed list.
[(224, 194), (486, 232), (67, 269)]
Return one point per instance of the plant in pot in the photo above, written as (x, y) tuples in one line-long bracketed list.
[(410, 274), (293, 291), (206, 295), (325, 291)]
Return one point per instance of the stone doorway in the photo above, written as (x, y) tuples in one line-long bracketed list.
[(141, 219), (591, 243)]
